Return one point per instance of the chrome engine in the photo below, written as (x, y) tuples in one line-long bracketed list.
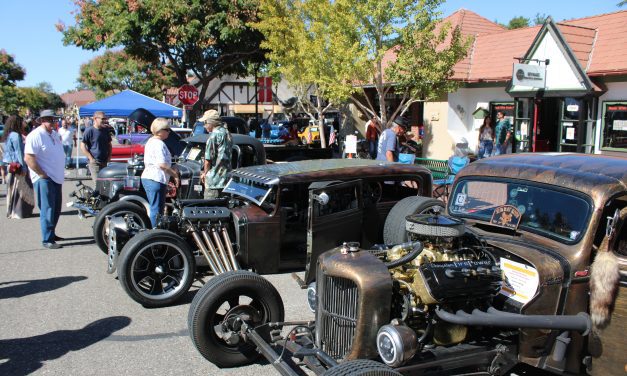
[(441, 266)]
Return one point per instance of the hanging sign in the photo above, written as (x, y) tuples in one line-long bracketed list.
[(529, 75)]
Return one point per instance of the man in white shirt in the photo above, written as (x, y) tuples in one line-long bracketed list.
[(68, 140), (43, 153)]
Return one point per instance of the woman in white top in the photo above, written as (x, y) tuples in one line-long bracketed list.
[(486, 138), (157, 168)]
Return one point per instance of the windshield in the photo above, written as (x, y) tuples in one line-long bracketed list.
[(248, 189), (550, 212)]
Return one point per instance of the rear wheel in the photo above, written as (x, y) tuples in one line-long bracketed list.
[(394, 229), (213, 316), (361, 367), (156, 268), (119, 208)]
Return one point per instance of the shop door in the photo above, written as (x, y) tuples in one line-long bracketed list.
[(547, 126), (523, 125)]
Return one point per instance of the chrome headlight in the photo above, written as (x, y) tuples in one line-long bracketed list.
[(311, 297), (396, 344)]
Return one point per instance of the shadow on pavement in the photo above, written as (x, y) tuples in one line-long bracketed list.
[(23, 288), (26, 355), (72, 244)]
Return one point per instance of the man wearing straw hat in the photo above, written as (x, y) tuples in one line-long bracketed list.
[(44, 155), (217, 154)]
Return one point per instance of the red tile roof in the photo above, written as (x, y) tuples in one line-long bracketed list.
[(606, 56), (78, 98), (595, 41)]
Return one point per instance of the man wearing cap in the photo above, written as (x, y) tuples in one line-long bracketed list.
[(96, 144), (388, 148), (217, 154), (44, 155)]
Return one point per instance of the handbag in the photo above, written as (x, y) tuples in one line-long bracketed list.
[(15, 167)]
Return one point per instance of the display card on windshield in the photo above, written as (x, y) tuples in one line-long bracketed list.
[(507, 216)]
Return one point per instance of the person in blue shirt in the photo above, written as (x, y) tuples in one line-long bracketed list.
[(20, 196), (388, 147), (96, 144)]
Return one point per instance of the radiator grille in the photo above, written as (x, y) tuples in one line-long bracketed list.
[(337, 315)]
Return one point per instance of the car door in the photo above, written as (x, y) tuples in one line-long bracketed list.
[(335, 215)]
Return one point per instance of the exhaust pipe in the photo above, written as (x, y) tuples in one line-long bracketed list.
[(229, 248), (493, 317), (199, 243), (222, 251), (213, 252)]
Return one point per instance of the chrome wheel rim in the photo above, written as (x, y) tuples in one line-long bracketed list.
[(159, 270)]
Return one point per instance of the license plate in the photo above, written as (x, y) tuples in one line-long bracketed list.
[(69, 204), (197, 188)]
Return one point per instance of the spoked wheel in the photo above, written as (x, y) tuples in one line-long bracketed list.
[(219, 309), (156, 268), (118, 208), (394, 228)]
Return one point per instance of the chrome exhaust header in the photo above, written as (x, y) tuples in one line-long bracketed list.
[(221, 249), (214, 252), (229, 249), (201, 245)]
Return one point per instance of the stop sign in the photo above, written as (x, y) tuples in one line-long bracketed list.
[(188, 94)]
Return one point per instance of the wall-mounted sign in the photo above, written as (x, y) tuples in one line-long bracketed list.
[(529, 75), (572, 108), (619, 125)]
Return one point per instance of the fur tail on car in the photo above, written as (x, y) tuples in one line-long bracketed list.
[(604, 281)]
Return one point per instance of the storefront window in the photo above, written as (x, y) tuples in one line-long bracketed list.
[(614, 135), (570, 124)]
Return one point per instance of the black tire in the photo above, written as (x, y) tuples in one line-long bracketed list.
[(209, 302), (361, 367), (394, 228), (113, 209), (156, 268)]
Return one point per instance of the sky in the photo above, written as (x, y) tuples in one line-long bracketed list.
[(29, 34)]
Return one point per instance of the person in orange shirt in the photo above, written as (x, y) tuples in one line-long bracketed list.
[(373, 129)]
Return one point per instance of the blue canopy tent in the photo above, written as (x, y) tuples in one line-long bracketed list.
[(122, 104)]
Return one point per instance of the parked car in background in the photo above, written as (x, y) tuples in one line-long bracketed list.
[(305, 136), (528, 267), (124, 152)]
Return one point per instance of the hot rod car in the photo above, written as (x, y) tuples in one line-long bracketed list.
[(118, 190), (278, 217), (528, 268)]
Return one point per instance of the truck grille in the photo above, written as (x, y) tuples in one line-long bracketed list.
[(337, 315)]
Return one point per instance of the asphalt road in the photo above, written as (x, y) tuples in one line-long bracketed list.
[(62, 314)]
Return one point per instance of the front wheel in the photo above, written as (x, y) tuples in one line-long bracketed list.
[(394, 231), (156, 268), (119, 208), (214, 315)]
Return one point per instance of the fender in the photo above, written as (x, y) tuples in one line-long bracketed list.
[(138, 200)]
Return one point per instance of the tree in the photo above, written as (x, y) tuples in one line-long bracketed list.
[(539, 19), (10, 72), (518, 22), (115, 71), (39, 98), (335, 48), (206, 38)]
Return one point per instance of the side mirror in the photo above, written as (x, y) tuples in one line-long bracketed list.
[(322, 198)]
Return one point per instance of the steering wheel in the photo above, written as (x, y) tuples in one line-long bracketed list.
[(373, 191)]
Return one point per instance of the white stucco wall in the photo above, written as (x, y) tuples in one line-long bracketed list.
[(451, 122)]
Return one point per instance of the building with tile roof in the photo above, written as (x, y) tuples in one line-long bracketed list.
[(572, 95)]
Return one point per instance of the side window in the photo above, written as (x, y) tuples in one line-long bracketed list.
[(399, 188), (620, 244), (340, 200)]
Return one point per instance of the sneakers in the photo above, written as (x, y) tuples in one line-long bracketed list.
[(52, 245), (58, 238)]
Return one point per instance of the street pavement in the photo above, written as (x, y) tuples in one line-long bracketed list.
[(62, 314)]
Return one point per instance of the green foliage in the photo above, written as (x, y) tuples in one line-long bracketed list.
[(539, 19), (10, 72), (115, 71), (518, 22), (207, 38), (334, 48), (39, 98)]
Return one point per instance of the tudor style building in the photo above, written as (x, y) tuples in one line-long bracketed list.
[(579, 106)]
